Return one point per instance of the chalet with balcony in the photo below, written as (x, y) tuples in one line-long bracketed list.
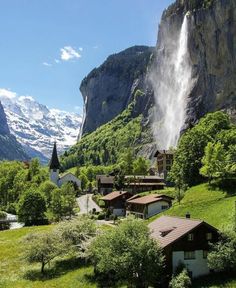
[(146, 206), (184, 241), (115, 202)]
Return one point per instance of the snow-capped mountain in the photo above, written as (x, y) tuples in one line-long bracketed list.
[(36, 126)]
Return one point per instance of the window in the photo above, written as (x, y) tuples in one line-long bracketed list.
[(190, 237), (188, 255), (209, 236), (164, 207), (205, 253)]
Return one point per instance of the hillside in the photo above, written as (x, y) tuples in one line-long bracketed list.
[(105, 145), (217, 207)]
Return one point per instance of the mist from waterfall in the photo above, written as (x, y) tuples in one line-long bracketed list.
[(172, 82)]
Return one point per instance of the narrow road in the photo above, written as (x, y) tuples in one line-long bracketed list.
[(87, 204)]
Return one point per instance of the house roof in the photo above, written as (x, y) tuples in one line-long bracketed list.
[(105, 179), (147, 199), (167, 229), (113, 195), (54, 162), (147, 177), (146, 184), (169, 152)]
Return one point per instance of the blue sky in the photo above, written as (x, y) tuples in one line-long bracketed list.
[(48, 46)]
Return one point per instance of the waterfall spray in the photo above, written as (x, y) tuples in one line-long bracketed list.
[(172, 83)]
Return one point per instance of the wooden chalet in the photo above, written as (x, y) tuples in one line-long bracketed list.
[(105, 184), (147, 206), (141, 183), (164, 161), (115, 202), (184, 241)]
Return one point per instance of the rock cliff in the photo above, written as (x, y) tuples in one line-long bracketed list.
[(108, 90), (10, 149), (212, 48)]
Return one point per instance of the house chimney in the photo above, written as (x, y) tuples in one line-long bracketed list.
[(187, 215)]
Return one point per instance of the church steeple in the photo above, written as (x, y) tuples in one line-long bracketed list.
[(54, 163)]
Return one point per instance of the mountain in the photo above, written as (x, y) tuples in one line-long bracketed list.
[(108, 89), (165, 90), (10, 149), (36, 127)]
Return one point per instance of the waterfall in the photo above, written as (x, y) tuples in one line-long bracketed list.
[(172, 82)]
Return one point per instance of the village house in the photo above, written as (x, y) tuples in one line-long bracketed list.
[(164, 161), (54, 166), (115, 202), (146, 206), (105, 184), (134, 184), (184, 241)]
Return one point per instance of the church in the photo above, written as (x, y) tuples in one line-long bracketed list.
[(54, 166)]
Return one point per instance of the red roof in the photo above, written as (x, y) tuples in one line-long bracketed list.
[(113, 195), (147, 199), (167, 229)]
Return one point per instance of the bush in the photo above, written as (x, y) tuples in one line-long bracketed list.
[(101, 215), (181, 280)]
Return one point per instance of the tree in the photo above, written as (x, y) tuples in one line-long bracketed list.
[(191, 146), (84, 181), (140, 166), (223, 254), (43, 248), (214, 161), (47, 188), (118, 255), (56, 206), (68, 199), (119, 180), (181, 280), (32, 208), (77, 234)]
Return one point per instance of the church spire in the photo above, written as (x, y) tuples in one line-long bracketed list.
[(54, 162)]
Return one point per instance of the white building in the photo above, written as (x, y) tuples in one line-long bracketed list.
[(54, 166), (146, 206), (184, 241)]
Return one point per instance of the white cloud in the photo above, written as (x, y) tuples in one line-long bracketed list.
[(47, 64), (68, 53), (6, 93), (57, 61), (81, 49)]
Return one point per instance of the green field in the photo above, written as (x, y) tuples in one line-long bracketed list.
[(14, 272), (214, 206)]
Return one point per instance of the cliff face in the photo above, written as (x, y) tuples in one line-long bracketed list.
[(109, 89), (3, 122), (10, 149), (212, 48)]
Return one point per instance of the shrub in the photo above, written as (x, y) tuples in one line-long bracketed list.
[(181, 280)]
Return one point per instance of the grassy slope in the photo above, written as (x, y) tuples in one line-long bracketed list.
[(213, 206), (14, 272)]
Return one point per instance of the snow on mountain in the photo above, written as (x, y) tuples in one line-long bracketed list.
[(36, 126)]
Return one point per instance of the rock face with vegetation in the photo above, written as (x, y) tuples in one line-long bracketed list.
[(109, 89), (9, 148)]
